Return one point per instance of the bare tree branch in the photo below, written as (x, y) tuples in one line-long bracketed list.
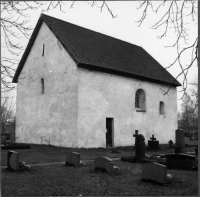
[(174, 17), (72, 4), (54, 4), (104, 4), (148, 3), (14, 25)]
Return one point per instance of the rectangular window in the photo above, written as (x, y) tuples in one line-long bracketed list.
[(42, 86), (162, 108), (43, 50)]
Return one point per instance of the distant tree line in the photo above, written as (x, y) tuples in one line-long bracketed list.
[(8, 118), (188, 117)]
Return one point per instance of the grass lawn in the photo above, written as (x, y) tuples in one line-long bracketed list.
[(48, 154), (58, 179)]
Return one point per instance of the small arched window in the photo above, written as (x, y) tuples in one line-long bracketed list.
[(42, 86), (137, 103), (140, 100), (162, 108)]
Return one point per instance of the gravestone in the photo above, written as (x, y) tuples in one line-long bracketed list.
[(139, 148), (153, 143), (13, 160), (135, 135), (170, 143), (155, 172), (180, 141), (180, 161), (72, 159), (103, 164)]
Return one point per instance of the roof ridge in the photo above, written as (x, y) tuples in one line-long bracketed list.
[(100, 51), (92, 30)]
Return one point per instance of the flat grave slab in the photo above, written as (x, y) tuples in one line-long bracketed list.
[(72, 159), (157, 158), (155, 172), (180, 155), (130, 159), (180, 150), (180, 161), (103, 164)]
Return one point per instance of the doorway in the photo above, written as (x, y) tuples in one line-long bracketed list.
[(110, 132)]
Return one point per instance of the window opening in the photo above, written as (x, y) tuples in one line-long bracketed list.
[(42, 86), (137, 105), (162, 108), (43, 50), (140, 100), (110, 132)]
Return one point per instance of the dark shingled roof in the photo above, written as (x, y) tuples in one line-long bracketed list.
[(96, 51)]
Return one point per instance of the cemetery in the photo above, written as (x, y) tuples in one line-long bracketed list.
[(170, 169)]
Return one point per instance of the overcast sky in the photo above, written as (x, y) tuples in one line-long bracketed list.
[(124, 27)]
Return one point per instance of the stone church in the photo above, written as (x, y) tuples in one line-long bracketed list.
[(80, 88)]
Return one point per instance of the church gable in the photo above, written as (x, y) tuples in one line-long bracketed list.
[(47, 59), (47, 93)]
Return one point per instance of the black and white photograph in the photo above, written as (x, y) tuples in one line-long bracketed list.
[(99, 98)]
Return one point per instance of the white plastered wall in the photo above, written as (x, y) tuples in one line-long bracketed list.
[(102, 96), (49, 118)]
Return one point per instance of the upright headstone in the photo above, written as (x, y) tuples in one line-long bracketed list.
[(155, 172), (13, 160), (170, 143), (139, 148), (103, 164), (135, 135), (180, 141), (72, 159), (153, 143)]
